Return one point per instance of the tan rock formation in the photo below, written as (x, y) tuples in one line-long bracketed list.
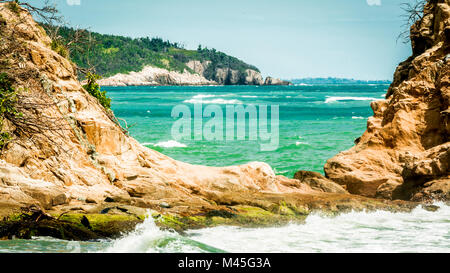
[(405, 151), (198, 67), (318, 182), (253, 77), (89, 159)]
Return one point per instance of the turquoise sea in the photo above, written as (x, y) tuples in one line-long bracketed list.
[(316, 122)]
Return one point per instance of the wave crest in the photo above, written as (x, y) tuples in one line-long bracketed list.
[(337, 99)]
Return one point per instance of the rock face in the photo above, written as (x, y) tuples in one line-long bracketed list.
[(404, 154), (151, 76), (318, 182), (198, 67), (156, 76), (80, 160)]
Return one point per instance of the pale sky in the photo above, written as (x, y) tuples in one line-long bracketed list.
[(283, 38)]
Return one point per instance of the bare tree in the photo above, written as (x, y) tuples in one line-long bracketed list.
[(32, 122), (413, 12)]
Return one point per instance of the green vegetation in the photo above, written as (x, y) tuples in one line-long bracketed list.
[(93, 88), (14, 6), (8, 100), (59, 48), (111, 54)]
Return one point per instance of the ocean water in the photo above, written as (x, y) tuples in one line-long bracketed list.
[(315, 123)]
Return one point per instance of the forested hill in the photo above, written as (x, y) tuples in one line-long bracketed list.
[(111, 54)]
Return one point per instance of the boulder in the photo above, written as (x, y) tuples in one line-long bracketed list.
[(318, 182), (274, 81)]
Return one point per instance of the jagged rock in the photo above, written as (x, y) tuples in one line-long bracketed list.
[(406, 142), (274, 81), (319, 182), (253, 78), (198, 67)]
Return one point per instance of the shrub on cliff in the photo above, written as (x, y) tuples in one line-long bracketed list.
[(59, 48), (8, 100), (93, 88)]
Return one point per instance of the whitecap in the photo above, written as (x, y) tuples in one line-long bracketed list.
[(358, 117), (337, 99), (170, 144), (299, 143), (213, 101)]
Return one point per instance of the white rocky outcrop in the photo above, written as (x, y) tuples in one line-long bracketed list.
[(156, 76)]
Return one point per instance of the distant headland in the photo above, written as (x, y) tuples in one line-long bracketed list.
[(124, 61)]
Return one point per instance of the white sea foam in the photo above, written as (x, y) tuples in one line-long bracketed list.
[(358, 117), (378, 231), (212, 99), (337, 99), (202, 96), (148, 144), (148, 238), (300, 143), (170, 144)]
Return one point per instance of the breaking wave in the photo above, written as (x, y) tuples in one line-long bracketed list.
[(166, 144), (378, 231), (337, 99), (212, 99)]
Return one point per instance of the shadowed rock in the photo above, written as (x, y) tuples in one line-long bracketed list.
[(404, 152)]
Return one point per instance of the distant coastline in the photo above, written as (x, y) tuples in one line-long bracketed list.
[(331, 80)]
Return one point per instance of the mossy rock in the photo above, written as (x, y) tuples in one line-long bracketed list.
[(105, 225), (243, 216)]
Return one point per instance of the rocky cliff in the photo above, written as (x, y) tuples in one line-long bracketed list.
[(405, 152), (151, 76), (67, 155)]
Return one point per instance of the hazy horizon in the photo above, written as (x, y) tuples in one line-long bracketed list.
[(355, 39)]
